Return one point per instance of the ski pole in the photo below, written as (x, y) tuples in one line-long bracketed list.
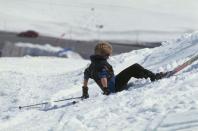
[(68, 99), (43, 103)]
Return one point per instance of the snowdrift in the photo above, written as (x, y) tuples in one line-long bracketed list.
[(167, 104), (127, 21), (26, 49)]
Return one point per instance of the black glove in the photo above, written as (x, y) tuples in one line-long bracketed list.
[(106, 91), (85, 94)]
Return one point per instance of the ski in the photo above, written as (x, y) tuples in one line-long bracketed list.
[(182, 66)]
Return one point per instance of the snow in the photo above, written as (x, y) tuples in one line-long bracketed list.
[(167, 104), (40, 65), (137, 20), (164, 105), (181, 121), (24, 49)]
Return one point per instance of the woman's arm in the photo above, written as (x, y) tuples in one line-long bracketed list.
[(105, 88), (85, 83), (104, 82), (85, 94)]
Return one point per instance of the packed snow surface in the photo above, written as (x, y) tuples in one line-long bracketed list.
[(124, 20), (167, 104)]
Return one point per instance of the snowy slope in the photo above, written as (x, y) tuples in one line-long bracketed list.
[(168, 104), (124, 20)]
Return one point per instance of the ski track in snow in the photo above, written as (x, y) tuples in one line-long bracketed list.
[(167, 104)]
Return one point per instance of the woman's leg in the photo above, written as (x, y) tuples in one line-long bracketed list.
[(136, 71)]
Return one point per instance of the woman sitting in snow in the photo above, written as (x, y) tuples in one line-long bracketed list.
[(102, 72)]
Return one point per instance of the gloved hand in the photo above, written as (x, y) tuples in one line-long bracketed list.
[(85, 94), (106, 91)]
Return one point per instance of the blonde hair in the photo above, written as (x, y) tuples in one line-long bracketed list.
[(103, 48)]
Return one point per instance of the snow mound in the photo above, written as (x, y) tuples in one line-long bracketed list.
[(98, 20), (167, 104), (28, 49)]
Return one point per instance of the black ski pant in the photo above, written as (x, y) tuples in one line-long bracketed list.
[(136, 71)]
